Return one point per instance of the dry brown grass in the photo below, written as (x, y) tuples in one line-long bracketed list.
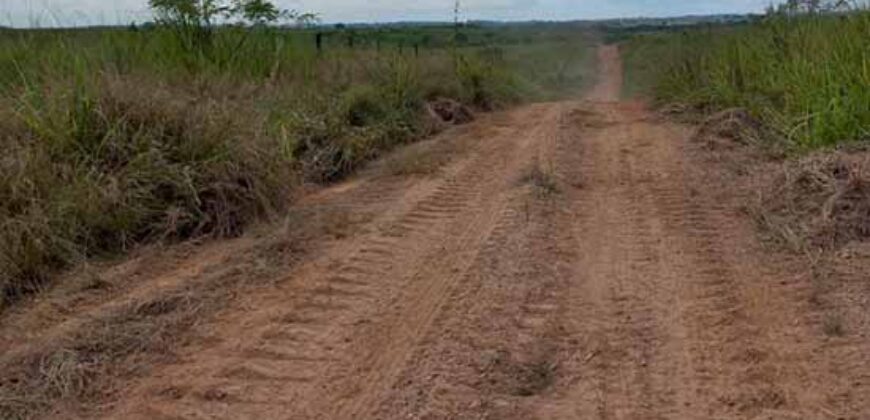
[(75, 369), (78, 366), (735, 124), (821, 201), (733, 129), (585, 117)]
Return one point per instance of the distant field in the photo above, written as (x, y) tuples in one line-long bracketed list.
[(118, 136)]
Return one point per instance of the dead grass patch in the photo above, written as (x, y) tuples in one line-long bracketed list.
[(586, 117), (736, 128), (76, 369), (821, 201), (735, 124)]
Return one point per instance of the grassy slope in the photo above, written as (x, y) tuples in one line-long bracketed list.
[(117, 137), (805, 77)]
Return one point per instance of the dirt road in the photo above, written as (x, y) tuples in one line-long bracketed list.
[(571, 262)]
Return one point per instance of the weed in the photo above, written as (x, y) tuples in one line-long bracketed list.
[(542, 180)]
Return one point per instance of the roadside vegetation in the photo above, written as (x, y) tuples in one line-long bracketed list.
[(210, 118), (796, 82), (803, 73)]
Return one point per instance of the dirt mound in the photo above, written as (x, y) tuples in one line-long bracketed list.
[(729, 128), (822, 200), (450, 111)]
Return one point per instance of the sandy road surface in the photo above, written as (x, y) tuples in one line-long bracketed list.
[(570, 265)]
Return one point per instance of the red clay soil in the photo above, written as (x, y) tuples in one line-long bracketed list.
[(578, 261)]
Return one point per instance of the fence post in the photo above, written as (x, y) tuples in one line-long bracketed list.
[(318, 39)]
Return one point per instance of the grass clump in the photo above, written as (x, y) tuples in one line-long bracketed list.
[(91, 169)]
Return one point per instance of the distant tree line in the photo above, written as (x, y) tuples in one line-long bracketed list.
[(815, 6)]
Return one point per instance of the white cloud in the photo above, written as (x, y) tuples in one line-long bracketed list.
[(90, 12)]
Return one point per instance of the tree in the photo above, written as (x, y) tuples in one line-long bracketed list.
[(812, 6), (194, 21), (207, 12)]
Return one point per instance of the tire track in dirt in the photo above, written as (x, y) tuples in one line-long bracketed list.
[(438, 276), (623, 316), (493, 343), (676, 310), (323, 346)]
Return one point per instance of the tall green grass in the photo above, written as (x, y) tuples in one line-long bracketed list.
[(115, 137), (806, 76)]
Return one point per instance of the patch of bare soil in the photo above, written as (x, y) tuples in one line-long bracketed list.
[(561, 260)]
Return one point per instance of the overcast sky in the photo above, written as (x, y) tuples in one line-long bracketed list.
[(79, 12)]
